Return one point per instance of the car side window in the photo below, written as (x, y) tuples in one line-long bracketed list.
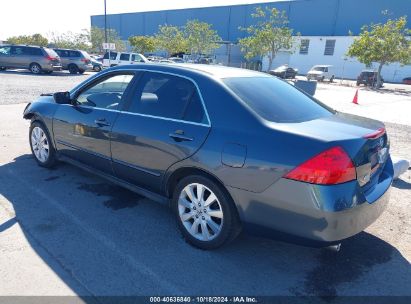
[(168, 96), (18, 50), (5, 51), (107, 93), (34, 51), (73, 54), (125, 57)]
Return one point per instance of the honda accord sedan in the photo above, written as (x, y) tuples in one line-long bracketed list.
[(226, 148)]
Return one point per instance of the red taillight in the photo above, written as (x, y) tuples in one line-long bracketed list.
[(85, 60), (374, 135), (330, 167), (48, 57)]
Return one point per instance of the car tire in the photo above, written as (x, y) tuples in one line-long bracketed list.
[(35, 68), (332, 78), (197, 226), (73, 69), (358, 84), (81, 71), (2, 68), (41, 145), (97, 68), (322, 79)]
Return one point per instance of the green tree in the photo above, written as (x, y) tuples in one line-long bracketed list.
[(97, 37), (383, 43), (143, 44), (269, 35), (71, 40), (201, 38), (36, 39), (171, 39)]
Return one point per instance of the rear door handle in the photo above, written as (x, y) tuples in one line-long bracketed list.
[(179, 136), (102, 122)]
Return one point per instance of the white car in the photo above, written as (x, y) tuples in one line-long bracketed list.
[(111, 59), (321, 72)]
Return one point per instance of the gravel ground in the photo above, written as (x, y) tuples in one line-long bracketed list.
[(19, 86)]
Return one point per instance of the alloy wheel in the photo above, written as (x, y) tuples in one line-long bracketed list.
[(40, 144), (200, 212)]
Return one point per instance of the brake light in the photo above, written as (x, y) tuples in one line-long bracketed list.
[(85, 60), (330, 167), (374, 135), (48, 57)]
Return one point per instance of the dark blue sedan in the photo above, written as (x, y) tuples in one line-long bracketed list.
[(226, 148)]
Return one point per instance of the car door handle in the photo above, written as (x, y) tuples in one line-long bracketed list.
[(102, 122), (179, 136)]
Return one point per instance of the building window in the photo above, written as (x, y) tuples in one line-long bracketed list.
[(329, 47), (305, 43)]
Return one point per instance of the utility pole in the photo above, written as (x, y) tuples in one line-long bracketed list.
[(105, 21)]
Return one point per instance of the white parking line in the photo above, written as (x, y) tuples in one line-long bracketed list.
[(136, 265)]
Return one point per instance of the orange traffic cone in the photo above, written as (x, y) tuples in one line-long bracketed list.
[(355, 99)]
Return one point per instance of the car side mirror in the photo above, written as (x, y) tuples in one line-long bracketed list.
[(62, 98)]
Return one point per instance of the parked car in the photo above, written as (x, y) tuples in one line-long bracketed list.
[(368, 78), (111, 59), (166, 61), (407, 80), (321, 73), (36, 59), (155, 58), (97, 65), (75, 61), (177, 59), (227, 148), (284, 71)]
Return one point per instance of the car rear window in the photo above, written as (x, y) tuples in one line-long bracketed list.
[(51, 52), (276, 100)]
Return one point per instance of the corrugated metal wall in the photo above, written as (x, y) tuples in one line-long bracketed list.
[(308, 17)]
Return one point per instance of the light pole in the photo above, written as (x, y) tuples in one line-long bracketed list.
[(105, 21)]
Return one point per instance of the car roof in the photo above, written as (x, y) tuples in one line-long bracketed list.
[(217, 71)]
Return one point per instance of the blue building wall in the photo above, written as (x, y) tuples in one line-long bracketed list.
[(308, 17)]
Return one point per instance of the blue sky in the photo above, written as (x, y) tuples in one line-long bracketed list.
[(44, 16)]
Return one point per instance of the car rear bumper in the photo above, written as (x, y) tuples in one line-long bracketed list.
[(52, 67), (313, 214)]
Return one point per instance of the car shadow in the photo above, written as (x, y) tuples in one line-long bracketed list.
[(113, 242), (401, 184), (55, 73)]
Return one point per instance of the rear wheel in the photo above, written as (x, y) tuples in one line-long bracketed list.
[(2, 68), (97, 68), (35, 68), (41, 145), (205, 214), (73, 69)]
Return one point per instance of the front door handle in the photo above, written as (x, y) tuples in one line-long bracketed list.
[(102, 122), (179, 136)]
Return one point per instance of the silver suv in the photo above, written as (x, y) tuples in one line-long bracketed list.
[(35, 58), (75, 61)]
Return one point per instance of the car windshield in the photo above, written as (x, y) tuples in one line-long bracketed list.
[(276, 100), (321, 69)]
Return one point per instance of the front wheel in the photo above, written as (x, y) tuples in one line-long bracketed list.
[(41, 145), (205, 214), (97, 68)]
